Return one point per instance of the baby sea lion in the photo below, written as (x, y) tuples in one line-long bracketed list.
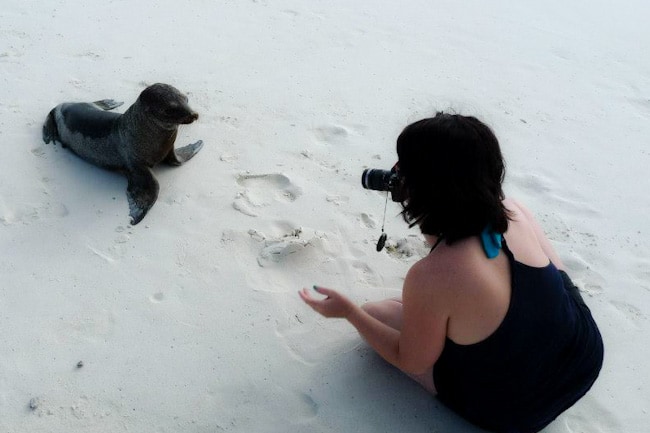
[(130, 143)]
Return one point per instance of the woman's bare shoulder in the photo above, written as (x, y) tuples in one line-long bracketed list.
[(516, 209), (443, 267), (426, 289), (526, 238)]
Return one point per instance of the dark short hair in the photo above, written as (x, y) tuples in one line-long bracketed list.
[(452, 170)]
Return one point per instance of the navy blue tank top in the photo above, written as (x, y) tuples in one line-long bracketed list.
[(543, 357)]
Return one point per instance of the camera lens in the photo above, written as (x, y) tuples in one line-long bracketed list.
[(376, 179)]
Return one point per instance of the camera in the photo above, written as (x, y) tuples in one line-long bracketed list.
[(384, 180)]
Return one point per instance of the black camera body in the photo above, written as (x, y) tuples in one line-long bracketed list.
[(384, 180)]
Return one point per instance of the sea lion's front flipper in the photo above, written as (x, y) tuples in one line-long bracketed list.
[(108, 104), (183, 154), (142, 192)]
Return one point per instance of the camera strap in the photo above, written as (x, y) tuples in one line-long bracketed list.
[(382, 238)]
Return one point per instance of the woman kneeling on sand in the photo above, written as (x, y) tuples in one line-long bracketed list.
[(488, 321)]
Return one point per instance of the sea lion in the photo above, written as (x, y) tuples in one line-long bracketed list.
[(130, 143)]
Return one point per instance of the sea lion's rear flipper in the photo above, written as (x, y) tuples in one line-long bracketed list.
[(183, 154), (108, 104), (142, 192), (50, 131)]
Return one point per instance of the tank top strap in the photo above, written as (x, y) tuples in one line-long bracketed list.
[(506, 250)]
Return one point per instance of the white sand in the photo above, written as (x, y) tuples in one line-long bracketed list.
[(190, 321)]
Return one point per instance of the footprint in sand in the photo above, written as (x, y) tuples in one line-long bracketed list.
[(585, 277), (332, 134), (230, 121), (365, 274), (548, 188), (337, 134), (321, 161), (292, 246), (641, 272), (38, 151), (368, 221), (276, 252), (632, 314), (26, 214), (157, 298), (405, 248), (592, 288), (582, 421), (338, 199), (309, 406), (260, 190), (285, 245)]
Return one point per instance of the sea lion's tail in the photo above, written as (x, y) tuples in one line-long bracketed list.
[(50, 131)]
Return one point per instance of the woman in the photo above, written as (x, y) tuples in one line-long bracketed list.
[(488, 320)]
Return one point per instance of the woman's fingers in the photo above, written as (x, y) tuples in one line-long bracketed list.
[(333, 305), (305, 296), (324, 291)]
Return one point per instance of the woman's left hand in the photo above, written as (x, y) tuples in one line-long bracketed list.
[(335, 305)]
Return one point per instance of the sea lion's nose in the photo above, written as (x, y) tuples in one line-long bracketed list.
[(191, 117)]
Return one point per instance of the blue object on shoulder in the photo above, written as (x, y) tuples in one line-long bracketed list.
[(491, 242)]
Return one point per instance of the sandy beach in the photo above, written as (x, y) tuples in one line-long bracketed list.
[(190, 320)]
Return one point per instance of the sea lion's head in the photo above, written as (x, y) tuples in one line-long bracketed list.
[(166, 104)]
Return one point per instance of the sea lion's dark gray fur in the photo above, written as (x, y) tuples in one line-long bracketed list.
[(131, 143)]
